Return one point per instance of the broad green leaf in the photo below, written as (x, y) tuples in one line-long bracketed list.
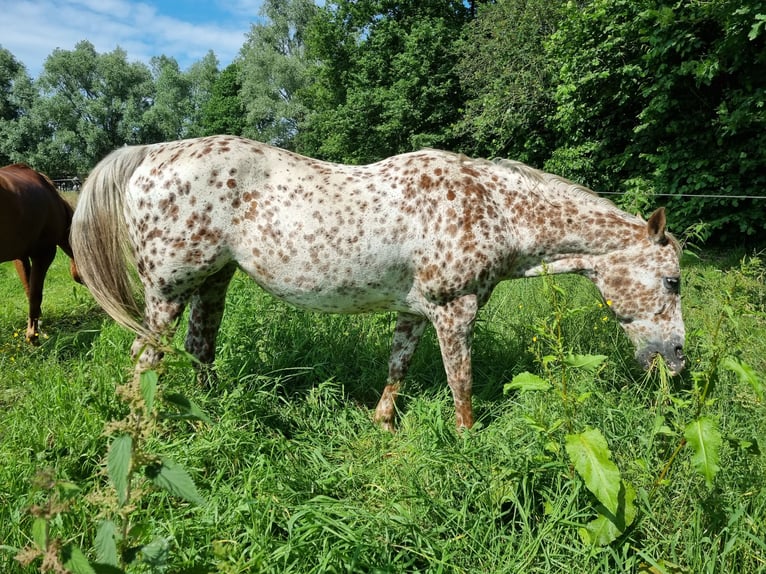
[(118, 463), (591, 458), (40, 533), (608, 527), (156, 552), (598, 532), (149, 388), (172, 478), (75, 561), (527, 382), (586, 362), (67, 490), (106, 544), (704, 438), (189, 409), (746, 375)]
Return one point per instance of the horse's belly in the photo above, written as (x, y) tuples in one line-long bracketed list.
[(335, 286)]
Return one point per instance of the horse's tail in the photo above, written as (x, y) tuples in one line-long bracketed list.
[(100, 241)]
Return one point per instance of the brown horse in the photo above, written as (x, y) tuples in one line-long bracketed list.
[(34, 219)]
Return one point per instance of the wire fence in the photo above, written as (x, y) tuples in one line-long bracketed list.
[(698, 195)]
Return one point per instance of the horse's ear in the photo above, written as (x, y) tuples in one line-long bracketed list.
[(655, 227)]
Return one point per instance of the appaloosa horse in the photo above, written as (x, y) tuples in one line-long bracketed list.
[(34, 219), (426, 234)]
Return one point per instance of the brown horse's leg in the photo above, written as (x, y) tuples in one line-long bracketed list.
[(205, 313), (407, 333), (24, 269), (454, 328), (33, 277)]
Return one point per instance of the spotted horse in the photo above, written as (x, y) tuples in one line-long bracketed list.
[(427, 234)]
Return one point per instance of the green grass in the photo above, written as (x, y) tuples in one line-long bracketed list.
[(297, 478)]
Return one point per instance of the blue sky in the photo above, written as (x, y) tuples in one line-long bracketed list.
[(185, 30)]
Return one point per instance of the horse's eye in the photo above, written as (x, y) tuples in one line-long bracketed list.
[(672, 284)]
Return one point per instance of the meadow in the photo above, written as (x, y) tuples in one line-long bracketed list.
[(290, 474)]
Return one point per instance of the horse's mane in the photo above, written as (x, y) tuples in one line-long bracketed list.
[(541, 181), (544, 182)]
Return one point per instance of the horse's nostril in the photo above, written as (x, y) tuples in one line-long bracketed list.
[(680, 353)]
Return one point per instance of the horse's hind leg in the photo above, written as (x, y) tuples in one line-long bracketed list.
[(407, 333), (205, 314), (24, 270), (160, 315)]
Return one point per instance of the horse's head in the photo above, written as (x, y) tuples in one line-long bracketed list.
[(641, 284)]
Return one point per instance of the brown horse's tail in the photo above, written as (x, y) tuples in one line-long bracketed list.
[(100, 242)]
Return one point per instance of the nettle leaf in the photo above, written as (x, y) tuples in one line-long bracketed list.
[(586, 362), (704, 438), (156, 553), (188, 409), (592, 461), (106, 544), (118, 463), (172, 478), (746, 374), (75, 561), (148, 383), (40, 533), (527, 382)]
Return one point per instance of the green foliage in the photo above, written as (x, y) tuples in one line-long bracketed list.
[(92, 100), (660, 103), (224, 111), (508, 81), (273, 71), (296, 478), (666, 99), (386, 82), (704, 438)]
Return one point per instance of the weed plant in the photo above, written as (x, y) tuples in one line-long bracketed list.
[(290, 474)]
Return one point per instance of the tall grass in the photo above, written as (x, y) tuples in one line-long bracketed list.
[(296, 478)]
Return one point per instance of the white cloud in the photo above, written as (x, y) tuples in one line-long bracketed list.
[(31, 30)]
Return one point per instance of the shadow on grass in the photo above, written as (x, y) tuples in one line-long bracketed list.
[(293, 352), (70, 334)]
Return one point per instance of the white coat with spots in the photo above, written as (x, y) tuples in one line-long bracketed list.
[(426, 234)]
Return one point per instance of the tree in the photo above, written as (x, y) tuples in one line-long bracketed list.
[(507, 80), (654, 99), (168, 115), (202, 78), (18, 132), (91, 103), (273, 70), (385, 81), (224, 112)]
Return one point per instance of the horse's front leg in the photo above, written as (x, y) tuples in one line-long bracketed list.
[(454, 324), (407, 333)]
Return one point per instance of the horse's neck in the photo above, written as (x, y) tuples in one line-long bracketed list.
[(573, 236)]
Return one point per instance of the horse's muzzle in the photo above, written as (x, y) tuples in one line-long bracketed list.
[(672, 351)]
